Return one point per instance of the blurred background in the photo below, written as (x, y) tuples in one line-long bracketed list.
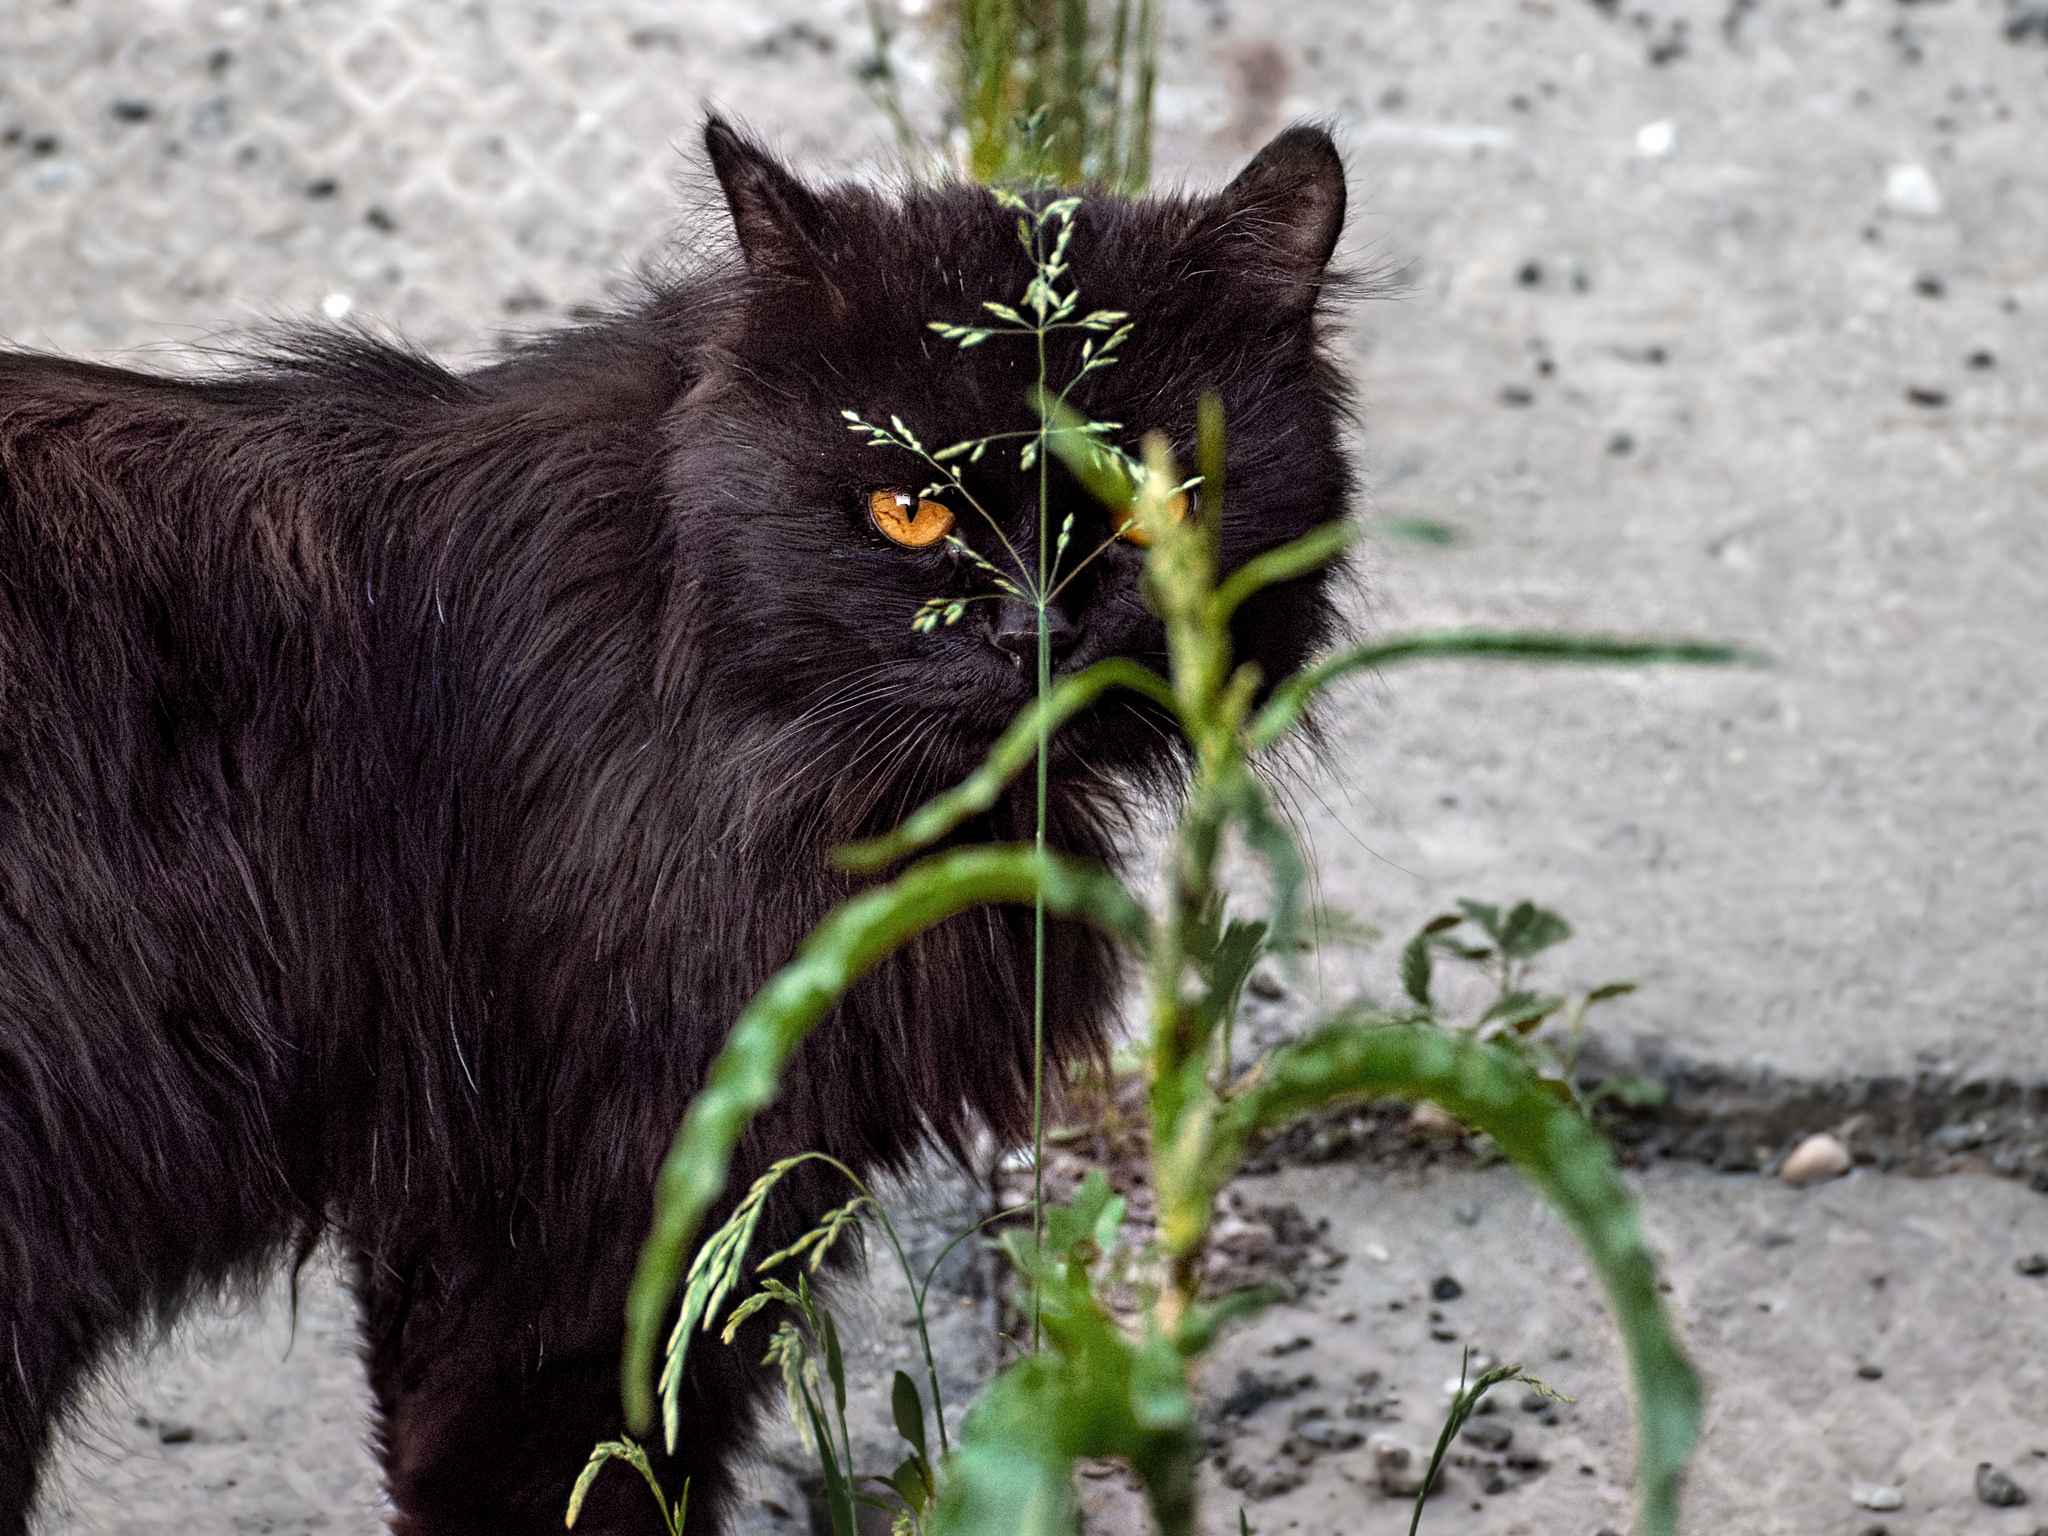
[(1714, 318)]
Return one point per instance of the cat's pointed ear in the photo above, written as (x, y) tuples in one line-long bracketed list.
[(778, 219), (1281, 218)]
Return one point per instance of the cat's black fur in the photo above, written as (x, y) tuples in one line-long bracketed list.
[(405, 777)]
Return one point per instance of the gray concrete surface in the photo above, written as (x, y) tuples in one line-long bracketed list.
[(1741, 291)]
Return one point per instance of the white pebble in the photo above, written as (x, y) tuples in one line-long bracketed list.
[(1814, 1161), (1909, 188), (335, 305), (1876, 1496), (1398, 1465), (1428, 1123), (1656, 139)]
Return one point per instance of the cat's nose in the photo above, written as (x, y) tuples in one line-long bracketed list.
[(1015, 632)]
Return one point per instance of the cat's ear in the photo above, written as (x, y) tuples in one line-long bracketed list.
[(1279, 221), (779, 220)]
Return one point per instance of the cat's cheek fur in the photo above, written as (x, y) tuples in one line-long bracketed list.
[(406, 778)]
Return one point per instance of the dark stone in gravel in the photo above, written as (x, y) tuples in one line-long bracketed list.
[(1932, 399), (1267, 987), (1996, 1489), (132, 111), (1329, 1435), (1276, 1479), (1534, 1402), (1528, 1463), (1516, 394), (1256, 1389), (1870, 1372), (1444, 1288), (1929, 285), (1489, 1435), (171, 1432), (2032, 1264), (1982, 358), (1443, 1333)]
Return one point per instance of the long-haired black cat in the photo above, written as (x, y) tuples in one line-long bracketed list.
[(406, 776)]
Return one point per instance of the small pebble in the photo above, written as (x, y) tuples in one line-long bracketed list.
[(1490, 1435), (1425, 1121), (1982, 358), (1397, 1465), (1931, 399), (171, 1432), (1517, 394), (1534, 1402), (2032, 1264), (1870, 1372), (1446, 1288), (1996, 1489), (1814, 1161), (1329, 1435), (1876, 1496), (1621, 445), (1267, 986), (1929, 285)]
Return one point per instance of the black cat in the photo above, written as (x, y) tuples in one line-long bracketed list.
[(406, 776)]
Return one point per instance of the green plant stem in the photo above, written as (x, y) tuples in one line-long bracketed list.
[(1038, 838)]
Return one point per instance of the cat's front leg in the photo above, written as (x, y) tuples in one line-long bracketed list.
[(496, 1371)]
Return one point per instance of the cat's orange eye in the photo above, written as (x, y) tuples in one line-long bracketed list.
[(911, 522), (1131, 533)]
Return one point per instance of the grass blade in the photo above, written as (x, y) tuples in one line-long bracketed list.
[(1012, 753), (1489, 1088), (1293, 696)]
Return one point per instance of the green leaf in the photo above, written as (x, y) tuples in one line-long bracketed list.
[(1521, 1011), (1085, 1228), (1485, 916), (1293, 696), (1612, 989), (908, 1408), (1529, 930), (910, 1482), (838, 1493), (835, 1363), (1490, 1088), (1635, 1092), (1311, 552), (1418, 530), (747, 1073), (1013, 752), (1415, 970)]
